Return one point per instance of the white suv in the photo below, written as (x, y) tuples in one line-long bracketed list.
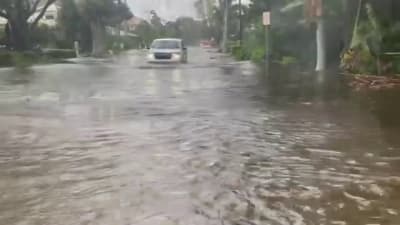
[(167, 50)]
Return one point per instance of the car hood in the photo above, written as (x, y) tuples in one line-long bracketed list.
[(165, 51)]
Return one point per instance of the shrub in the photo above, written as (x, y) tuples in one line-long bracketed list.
[(24, 60), (288, 60), (258, 55), (5, 59), (59, 53), (27, 59), (240, 53), (358, 61), (2, 36)]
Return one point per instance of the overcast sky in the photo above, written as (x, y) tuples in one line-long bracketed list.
[(167, 9)]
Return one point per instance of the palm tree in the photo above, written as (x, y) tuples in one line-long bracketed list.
[(315, 11)]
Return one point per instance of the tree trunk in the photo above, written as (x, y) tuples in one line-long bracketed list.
[(19, 34), (225, 31), (321, 45), (98, 38)]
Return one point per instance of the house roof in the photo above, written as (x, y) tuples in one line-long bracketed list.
[(55, 6)]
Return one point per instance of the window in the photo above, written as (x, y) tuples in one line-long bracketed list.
[(49, 17), (166, 44)]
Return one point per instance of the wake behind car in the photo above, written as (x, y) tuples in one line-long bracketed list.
[(168, 50)]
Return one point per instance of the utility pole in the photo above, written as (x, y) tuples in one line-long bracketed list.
[(119, 25), (240, 24), (268, 46), (225, 32), (206, 12)]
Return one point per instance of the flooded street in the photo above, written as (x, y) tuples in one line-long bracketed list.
[(206, 143)]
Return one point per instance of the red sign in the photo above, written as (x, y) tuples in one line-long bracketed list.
[(267, 18), (313, 8)]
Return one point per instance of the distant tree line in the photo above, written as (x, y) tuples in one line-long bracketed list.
[(187, 28)]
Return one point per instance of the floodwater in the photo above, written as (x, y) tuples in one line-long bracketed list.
[(208, 143)]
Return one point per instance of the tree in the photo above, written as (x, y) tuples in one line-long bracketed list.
[(188, 29), (204, 9), (146, 32), (157, 23), (19, 13), (99, 14), (225, 5), (218, 20), (74, 26)]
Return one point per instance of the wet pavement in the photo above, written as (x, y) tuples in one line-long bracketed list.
[(207, 143)]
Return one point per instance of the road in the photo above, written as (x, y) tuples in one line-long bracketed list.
[(124, 143)]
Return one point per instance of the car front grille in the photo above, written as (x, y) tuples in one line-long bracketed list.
[(162, 55)]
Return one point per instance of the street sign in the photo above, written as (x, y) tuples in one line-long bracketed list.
[(267, 18)]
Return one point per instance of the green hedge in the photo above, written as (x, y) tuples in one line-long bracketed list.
[(6, 59), (258, 55), (240, 53), (26, 59), (17, 59), (59, 53)]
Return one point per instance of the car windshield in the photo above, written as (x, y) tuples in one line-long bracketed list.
[(165, 44)]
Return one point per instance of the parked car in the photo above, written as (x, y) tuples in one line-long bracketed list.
[(167, 50), (206, 44)]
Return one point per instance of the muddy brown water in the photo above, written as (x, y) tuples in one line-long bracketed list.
[(208, 143)]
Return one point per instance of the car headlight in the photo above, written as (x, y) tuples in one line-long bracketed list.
[(176, 55), (150, 56)]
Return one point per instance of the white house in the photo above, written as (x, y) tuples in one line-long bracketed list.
[(3, 22), (49, 19), (131, 24)]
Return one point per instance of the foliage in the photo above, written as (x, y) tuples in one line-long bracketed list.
[(286, 26), (74, 26), (18, 59), (118, 44), (23, 60), (45, 37), (186, 28), (99, 14), (146, 32), (29, 58), (2, 37), (373, 37), (288, 60), (358, 61), (59, 53), (5, 58), (216, 22), (107, 12), (258, 55), (240, 53)]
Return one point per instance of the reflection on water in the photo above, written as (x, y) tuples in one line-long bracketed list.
[(117, 145)]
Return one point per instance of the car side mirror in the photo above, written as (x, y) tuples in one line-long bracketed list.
[(184, 48)]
